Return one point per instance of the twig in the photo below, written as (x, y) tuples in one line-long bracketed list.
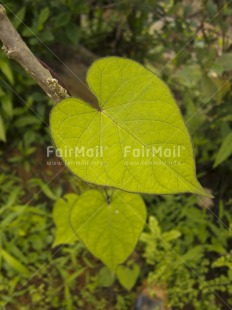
[(16, 49)]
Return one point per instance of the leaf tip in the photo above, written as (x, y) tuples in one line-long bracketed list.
[(205, 193)]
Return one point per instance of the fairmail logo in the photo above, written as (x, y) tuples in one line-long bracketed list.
[(161, 151), (66, 152), (126, 152)]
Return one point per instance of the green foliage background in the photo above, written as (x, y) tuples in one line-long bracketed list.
[(188, 258)]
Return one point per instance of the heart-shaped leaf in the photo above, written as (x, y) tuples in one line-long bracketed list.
[(105, 278), (109, 226), (128, 276), (136, 141)]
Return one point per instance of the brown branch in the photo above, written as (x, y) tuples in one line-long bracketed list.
[(16, 49)]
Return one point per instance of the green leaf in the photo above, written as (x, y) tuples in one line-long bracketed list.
[(19, 17), (154, 226), (188, 75), (62, 20), (225, 150), (209, 88), (44, 187), (136, 141), (193, 255), (223, 63), (27, 120), (128, 276), (2, 130), (6, 70), (109, 227), (73, 33), (105, 277), (224, 261), (13, 262), (61, 215), (29, 32), (2, 93), (7, 106), (171, 235), (43, 16)]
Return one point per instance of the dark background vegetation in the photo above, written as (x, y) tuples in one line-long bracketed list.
[(189, 45)]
